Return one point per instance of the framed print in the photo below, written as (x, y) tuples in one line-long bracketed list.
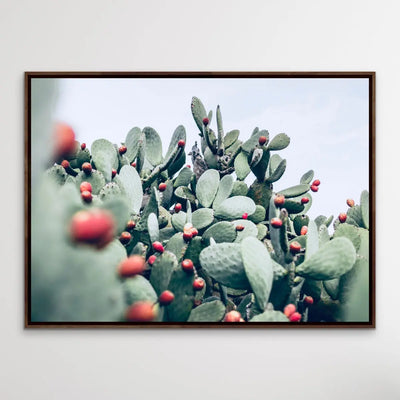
[(200, 199)]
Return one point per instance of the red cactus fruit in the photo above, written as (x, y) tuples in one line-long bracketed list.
[(317, 182), (198, 284), (276, 222), (289, 310), (188, 166), (122, 150), (86, 196), (314, 188), (83, 146), (125, 237), (87, 168), (194, 232), (133, 265), (350, 202), (233, 316), (162, 186), (181, 143), (94, 227), (157, 246), (303, 230), (141, 311), (239, 228), (187, 236), (151, 259), (133, 165), (245, 216), (309, 300), (64, 141), (262, 140), (187, 265), (166, 297), (178, 207), (295, 247), (65, 164), (131, 225), (279, 200), (206, 121), (113, 173), (342, 217), (85, 186), (305, 200), (295, 317)]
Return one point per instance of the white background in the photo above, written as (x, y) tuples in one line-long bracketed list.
[(199, 364)]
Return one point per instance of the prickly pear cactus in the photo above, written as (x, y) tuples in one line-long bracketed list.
[(128, 233)]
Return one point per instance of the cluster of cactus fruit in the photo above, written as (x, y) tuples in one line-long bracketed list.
[(123, 233)]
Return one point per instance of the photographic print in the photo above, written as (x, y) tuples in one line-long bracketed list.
[(202, 199)]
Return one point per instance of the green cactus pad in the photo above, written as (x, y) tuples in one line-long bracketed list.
[(324, 236), (179, 134), (207, 187), (223, 262), (152, 227), (235, 207), (58, 174), (239, 189), (161, 271), (138, 288), (193, 250), (293, 207), (261, 194), (252, 142), (332, 287), (185, 193), (258, 215), (307, 177), (349, 231), (181, 285), (151, 207), (212, 311), (364, 204), (104, 156), (276, 173), (354, 216), (279, 271), (210, 158), (258, 268), (242, 167), (331, 261), (96, 179), (231, 138), (312, 239), (250, 229), (202, 218), (270, 316), (300, 221), (307, 206), (233, 148), (279, 142), (177, 164), (184, 177), (275, 233), (132, 143), (129, 180), (82, 156), (177, 245), (260, 168), (198, 112), (295, 191), (261, 231), (224, 190), (153, 146), (274, 162), (178, 221), (110, 191), (221, 232)]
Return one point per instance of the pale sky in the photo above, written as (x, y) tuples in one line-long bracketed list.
[(326, 119)]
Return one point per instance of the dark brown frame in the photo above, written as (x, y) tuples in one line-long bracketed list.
[(200, 74)]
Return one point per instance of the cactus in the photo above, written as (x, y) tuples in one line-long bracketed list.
[(252, 253)]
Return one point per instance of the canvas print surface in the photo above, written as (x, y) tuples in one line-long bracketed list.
[(235, 201)]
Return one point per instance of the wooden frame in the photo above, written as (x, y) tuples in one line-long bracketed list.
[(174, 74)]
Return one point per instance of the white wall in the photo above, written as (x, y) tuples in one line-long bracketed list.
[(206, 35)]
